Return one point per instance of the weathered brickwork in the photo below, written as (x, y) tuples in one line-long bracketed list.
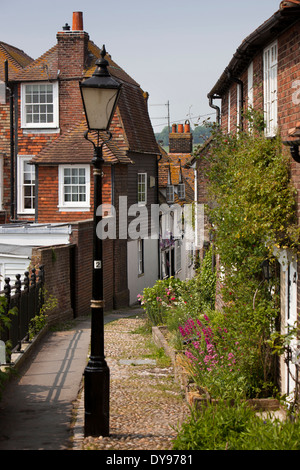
[(56, 261)]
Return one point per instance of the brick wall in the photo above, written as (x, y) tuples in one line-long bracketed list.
[(69, 270), (5, 157), (288, 74), (82, 238), (48, 198), (180, 142), (56, 261), (72, 58)]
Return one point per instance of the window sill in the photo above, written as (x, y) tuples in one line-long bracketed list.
[(26, 214), (74, 209), (40, 130)]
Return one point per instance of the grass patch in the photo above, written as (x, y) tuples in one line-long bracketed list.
[(162, 360)]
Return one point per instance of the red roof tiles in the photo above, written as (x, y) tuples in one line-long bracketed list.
[(15, 57), (71, 146)]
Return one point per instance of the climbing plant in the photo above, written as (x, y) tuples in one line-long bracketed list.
[(252, 210)]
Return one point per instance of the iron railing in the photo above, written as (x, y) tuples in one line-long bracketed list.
[(24, 299)]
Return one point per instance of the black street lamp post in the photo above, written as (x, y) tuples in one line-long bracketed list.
[(100, 94)]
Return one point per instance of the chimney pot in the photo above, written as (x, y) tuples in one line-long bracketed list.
[(180, 128), (174, 128), (77, 24), (187, 127)]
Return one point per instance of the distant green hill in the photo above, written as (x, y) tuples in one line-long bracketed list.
[(200, 134)]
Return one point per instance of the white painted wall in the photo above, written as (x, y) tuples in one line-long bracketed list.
[(35, 234), (136, 283)]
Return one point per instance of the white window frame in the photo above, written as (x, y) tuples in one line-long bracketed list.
[(178, 256), (141, 256), (170, 193), (250, 86), (73, 206), (22, 159), (238, 104), (40, 125), (181, 191), (142, 188), (270, 59), (229, 112), (2, 92)]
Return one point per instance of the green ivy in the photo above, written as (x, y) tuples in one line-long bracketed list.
[(253, 214), (39, 321)]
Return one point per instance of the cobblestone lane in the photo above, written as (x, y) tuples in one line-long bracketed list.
[(146, 404)]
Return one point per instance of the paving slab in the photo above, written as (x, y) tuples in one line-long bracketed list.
[(36, 405)]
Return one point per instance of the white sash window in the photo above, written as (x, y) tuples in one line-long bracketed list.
[(270, 88)]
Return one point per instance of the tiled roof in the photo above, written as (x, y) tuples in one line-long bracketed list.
[(72, 143), (43, 68), (132, 104), (286, 16), (114, 69), (173, 164), (136, 121), (16, 58)]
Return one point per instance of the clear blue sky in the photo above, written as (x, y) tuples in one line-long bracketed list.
[(175, 49)]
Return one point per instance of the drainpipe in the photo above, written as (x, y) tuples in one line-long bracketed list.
[(239, 82), (217, 108)]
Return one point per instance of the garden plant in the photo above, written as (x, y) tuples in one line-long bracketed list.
[(230, 350)]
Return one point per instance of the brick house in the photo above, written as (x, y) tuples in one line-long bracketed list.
[(176, 187), (264, 74), (12, 60), (53, 171)]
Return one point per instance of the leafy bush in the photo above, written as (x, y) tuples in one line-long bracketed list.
[(166, 294), (225, 427), (171, 300), (39, 321)]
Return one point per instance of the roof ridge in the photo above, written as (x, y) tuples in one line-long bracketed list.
[(5, 46), (289, 4), (36, 61)]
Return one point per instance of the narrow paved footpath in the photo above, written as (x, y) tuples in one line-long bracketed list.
[(146, 404), (36, 406)]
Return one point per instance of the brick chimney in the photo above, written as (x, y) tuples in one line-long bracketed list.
[(181, 138), (72, 48), (72, 59)]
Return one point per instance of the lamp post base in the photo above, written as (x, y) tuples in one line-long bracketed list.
[(96, 398)]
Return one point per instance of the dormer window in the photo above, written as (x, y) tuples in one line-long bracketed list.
[(170, 194), (170, 188), (39, 107), (181, 191)]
